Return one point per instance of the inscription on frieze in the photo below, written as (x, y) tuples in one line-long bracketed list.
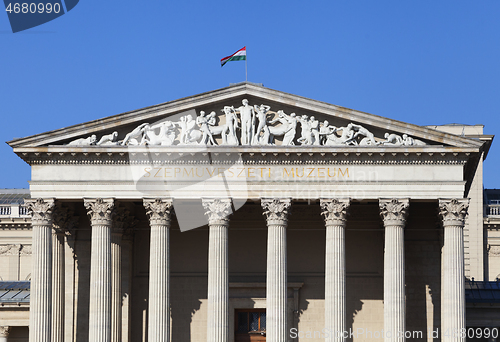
[(268, 173)]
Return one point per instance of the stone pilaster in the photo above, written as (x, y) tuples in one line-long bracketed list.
[(218, 211), (453, 213), (335, 212), (276, 211), (159, 212), (41, 275), (4, 333), (100, 212), (394, 213)]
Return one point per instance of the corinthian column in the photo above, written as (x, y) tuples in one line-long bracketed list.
[(276, 211), (218, 211), (394, 213), (41, 275), (335, 212), (100, 213), (159, 212), (453, 214)]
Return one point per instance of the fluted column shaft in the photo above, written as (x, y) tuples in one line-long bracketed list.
[(58, 285), (335, 212), (159, 213), (116, 286), (41, 275), (394, 283), (218, 211), (394, 213), (100, 214), (276, 211), (453, 213)]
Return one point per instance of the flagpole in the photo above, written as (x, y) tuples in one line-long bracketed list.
[(246, 70)]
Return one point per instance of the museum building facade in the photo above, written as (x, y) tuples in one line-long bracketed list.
[(249, 214)]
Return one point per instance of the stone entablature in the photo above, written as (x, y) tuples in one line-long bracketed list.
[(249, 172), (249, 155), (252, 172)]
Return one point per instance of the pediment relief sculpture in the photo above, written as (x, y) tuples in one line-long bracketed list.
[(248, 125)]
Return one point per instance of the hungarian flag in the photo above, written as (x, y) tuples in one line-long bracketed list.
[(239, 55)]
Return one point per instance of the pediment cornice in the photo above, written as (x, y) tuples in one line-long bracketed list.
[(225, 95), (271, 155)]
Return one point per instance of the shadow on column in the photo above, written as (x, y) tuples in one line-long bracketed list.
[(82, 274), (353, 306), (417, 278), (303, 305), (185, 301)]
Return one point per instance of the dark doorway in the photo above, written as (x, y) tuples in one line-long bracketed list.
[(250, 325)]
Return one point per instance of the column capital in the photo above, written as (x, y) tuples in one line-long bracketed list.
[(335, 210), (276, 210), (217, 210), (123, 221), (64, 219), (159, 210), (4, 331), (394, 211), (41, 210), (100, 210), (453, 211)]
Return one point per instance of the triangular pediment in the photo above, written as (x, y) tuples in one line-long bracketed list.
[(336, 126)]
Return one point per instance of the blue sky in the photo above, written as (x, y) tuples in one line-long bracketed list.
[(423, 62)]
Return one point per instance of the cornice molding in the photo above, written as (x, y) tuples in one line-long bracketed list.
[(248, 156), (15, 225)]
